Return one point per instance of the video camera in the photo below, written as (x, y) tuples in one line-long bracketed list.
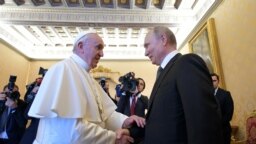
[(128, 81), (14, 95), (42, 71), (11, 83), (29, 95)]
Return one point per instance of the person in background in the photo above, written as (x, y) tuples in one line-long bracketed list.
[(226, 105), (72, 106), (105, 85), (30, 132), (182, 107), (134, 103), (12, 120), (2, 103), (119, 92)]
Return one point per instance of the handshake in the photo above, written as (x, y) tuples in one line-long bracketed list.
[(123, 135)]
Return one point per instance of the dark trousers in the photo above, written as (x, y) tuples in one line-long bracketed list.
[(227, 134)]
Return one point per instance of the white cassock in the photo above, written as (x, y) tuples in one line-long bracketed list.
[(73, 108)]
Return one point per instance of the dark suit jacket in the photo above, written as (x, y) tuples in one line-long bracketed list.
[(227, 108), (30, 132), (182, 107), (123, 106), (16, 123)]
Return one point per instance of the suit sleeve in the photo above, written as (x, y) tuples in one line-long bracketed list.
[(18, 114), (121, 105), (115, 121), (229, 108), (202, 113), (145, 101)]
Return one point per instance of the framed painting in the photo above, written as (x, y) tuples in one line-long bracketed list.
[(204, 43)]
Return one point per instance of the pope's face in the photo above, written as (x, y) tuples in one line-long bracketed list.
[(93, 50)]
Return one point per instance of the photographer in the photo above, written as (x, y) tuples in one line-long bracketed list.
[(105, 85), (12, 122), (132, 102), (30, 133)]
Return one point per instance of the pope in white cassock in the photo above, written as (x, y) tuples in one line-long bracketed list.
[(72, 106)]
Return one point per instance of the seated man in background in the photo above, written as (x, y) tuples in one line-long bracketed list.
[(12, 122)]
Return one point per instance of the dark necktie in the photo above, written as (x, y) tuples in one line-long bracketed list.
[(132, 109), (159, 70)]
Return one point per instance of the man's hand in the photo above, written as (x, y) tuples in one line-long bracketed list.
[(132, 119), (122, 137)]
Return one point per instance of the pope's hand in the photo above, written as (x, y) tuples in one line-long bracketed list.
[(134, 119), (122, 137)]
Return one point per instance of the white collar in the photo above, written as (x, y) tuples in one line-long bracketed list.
[(137, 96), (168, 57), (80, 61), (215, 91)]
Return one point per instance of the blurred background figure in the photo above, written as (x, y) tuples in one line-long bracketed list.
[(105, 85), (12, 122), (118, 92), (30, 132), (133, 102), (226, 106)]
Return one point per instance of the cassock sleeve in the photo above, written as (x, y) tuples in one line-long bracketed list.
[(92, 133), (72, 131), (115, 121)]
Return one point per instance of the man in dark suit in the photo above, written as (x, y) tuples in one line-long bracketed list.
[(226, 105), (182, 107), (134, 104), (12, 120), (125, 103)]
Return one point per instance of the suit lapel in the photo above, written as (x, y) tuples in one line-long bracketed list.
[(160, 79)]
